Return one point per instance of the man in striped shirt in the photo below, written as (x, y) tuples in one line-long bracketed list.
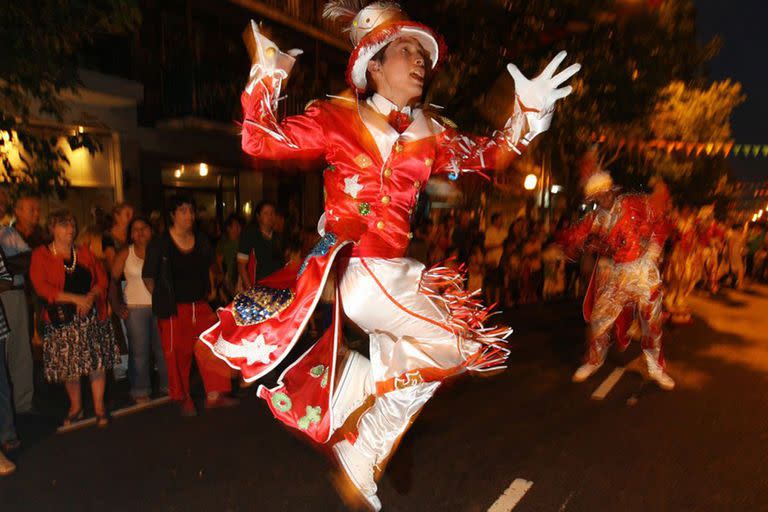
[(7, 430)]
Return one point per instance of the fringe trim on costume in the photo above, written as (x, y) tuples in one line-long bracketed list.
[(467, 316), (461, 147), (268, 100)]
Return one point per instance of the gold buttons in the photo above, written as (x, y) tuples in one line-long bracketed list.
[(398, 148), (363, 161), (410, 236), (428, 162), (385, 199), (380, 224), (416, 184), (270, 52), (387, 172)]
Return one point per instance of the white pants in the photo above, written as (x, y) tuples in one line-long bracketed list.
[(408, 332)]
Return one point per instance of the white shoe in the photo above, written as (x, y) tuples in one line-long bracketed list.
[(656, 372), (664, 381), (359, 471), (355, 385), (585, 371), (6, 466)]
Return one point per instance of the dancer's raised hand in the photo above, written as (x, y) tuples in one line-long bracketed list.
[(541, 93), (266, 57)]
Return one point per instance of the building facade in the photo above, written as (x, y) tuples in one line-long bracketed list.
[(166, 103)]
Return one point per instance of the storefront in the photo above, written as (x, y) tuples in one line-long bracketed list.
[(215, 189), (96, 181)]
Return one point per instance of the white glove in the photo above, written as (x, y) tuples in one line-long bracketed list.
[(268, 59), (536, 98), (541, 93)]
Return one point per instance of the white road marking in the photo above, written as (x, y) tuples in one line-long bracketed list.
[(139, 407), (567, 500), (116, 414), (610, 381), (511, 496)]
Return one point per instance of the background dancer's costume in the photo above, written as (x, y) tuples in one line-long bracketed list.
[(626, 284), (423, 326), (683, 269), (712, 239)]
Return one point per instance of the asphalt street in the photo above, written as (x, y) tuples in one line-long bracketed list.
[(701, 447)]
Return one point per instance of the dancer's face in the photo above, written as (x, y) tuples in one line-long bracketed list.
[(605, 199), (399, 75)]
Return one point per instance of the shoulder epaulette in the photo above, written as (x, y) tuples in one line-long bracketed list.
[(448, 122)]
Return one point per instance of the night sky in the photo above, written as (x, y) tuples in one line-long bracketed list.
[(743, 27)]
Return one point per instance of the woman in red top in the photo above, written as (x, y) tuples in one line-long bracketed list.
[(78, 338)]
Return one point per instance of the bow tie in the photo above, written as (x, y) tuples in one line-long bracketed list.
[(399, 121)]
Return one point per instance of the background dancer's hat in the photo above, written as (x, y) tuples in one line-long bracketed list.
[(373, 27), (595, 179)]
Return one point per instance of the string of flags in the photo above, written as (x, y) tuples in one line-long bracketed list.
[(695, 149)]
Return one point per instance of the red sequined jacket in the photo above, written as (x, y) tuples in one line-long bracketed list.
[(374, 174), (623, 233)]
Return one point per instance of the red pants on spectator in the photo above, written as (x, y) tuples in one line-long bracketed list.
[(179, 337)]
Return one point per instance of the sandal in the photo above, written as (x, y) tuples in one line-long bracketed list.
[(102, 420), (72, 418)]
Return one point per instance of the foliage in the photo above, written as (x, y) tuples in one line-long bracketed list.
[(692, 114), (42, 45), (630, 52)]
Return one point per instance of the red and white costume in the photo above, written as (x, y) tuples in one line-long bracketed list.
[(626, 284), (683, 268), (423, 326), (712, 239)]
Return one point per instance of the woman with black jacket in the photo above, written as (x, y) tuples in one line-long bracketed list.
[(177, 272)]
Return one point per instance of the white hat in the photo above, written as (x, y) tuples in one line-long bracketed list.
[(598, 182), (375, 26), (594, 178)]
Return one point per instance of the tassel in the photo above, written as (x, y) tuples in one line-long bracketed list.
[(467, 316)]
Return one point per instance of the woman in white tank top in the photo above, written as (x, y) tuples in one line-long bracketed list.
[(134, 305), (135, 292)]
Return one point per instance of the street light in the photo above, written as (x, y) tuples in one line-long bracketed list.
[(203, 170), (556, 189), (530, 182)]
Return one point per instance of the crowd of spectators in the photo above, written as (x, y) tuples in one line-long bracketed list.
[(511, 265), (126, 296)]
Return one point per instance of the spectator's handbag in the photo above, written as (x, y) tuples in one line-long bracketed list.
[(118, 328), (60, 314)]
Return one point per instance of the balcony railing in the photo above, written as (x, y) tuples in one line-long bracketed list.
[(195, 65), (304, 15)]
